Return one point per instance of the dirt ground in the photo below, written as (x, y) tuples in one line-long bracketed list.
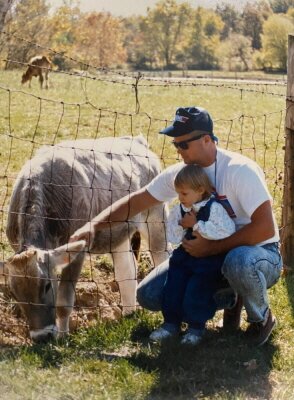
[(97, 298)]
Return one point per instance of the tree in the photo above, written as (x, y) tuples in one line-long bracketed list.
[(63, 30), (205, 38), (253, 20), (164, 30), (281, 6), (264, 8), (28, 21), (5, 6), (275, 41), (140, 54), (290, 13), (100, 40), (235, 53), (231, 19)]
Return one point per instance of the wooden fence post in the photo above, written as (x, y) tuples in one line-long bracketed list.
[(287, 236)]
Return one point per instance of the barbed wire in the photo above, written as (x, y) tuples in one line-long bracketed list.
[(139, 76), (159, 82)]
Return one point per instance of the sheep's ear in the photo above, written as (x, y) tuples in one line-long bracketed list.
[(63, 255)]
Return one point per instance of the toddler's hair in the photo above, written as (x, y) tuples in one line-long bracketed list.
[(195, 178)]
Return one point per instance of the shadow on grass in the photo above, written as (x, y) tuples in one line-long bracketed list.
[(41, 355), (223, 366)]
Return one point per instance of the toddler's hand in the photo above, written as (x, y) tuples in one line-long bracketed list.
[(189, 220)]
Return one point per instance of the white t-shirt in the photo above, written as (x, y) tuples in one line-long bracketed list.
[(218, 226), (238, 180)]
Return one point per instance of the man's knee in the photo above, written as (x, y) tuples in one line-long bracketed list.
[(141, 295), (150, 290), (236, 263), (147, 300)]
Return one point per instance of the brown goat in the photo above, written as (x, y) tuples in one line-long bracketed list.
[(38, 66)]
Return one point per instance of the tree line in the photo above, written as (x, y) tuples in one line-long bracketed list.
[(169, 36)]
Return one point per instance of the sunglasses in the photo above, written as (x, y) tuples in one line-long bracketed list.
[(183, 145)]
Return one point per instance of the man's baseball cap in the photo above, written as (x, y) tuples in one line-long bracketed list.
[(189, 119)]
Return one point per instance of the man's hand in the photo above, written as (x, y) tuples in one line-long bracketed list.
[(188, 220), (199, 247), (86, 232)]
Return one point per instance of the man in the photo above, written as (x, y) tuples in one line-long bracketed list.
[(253, 262)]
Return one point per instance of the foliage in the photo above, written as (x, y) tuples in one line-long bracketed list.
[(95, 37), (253, 17), (235, 53), (29, 20), (230, 17), (164, 30), (63, 28), (5, 6), (100, 40), (205, 39), (139, 54), (173, 35), (274, 41), (281, 6)]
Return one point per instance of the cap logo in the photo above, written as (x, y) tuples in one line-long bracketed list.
[(181, 118)]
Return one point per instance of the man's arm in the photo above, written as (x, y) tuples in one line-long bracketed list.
[(259, 229), (120, 211)]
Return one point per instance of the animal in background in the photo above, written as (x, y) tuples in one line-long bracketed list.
[(58, 191), (39, 66)]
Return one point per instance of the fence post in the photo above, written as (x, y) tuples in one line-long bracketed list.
[(288, 195)]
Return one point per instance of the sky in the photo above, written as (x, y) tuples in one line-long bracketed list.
[(126, 8)]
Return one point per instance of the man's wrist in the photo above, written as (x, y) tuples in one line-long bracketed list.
[(217, 246)]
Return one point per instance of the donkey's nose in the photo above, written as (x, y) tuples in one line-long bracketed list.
[(44, 335)]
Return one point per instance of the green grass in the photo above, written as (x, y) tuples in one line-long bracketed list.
[(114, 360)]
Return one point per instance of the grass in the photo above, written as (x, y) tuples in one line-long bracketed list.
[(114, 360)]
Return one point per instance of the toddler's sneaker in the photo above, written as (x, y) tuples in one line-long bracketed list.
[(166, 331), (193, 337)]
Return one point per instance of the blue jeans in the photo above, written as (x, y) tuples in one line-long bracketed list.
[(190, 288), (249, 270)]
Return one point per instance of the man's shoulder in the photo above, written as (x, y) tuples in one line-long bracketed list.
[(162, 186), (172, 170), (235, 160)]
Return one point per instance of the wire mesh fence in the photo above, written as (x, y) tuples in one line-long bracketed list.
[(87, 104)]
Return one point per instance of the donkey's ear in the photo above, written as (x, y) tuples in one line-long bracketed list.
[(21, 260), (63, 255)]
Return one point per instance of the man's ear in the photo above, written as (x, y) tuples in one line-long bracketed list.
[(207, 138), (63, 255)]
